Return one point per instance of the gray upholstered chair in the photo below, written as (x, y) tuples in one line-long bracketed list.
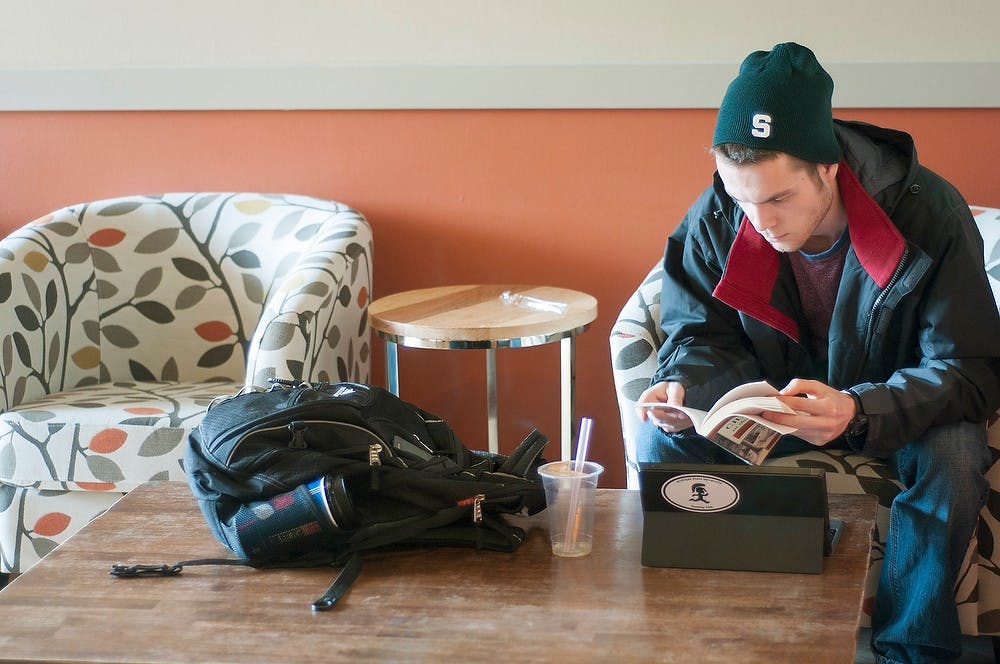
[(635, 338), (123, 319)]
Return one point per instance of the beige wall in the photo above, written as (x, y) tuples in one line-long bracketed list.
[(197, 54), (224, 33)]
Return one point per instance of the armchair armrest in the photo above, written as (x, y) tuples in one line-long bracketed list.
[(634, 340), (315, 323)]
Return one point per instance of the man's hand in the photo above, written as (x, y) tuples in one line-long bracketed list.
[(668, 420), (827, 411)]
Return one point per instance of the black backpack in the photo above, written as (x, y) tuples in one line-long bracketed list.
[(313, 474)]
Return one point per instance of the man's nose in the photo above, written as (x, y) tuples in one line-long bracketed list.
[(759, 219)]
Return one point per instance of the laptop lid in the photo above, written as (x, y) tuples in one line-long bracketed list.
[(760, 518)]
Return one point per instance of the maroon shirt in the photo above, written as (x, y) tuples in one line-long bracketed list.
[(818, 279)]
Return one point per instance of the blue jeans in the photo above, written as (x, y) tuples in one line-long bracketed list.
[(930, 523)]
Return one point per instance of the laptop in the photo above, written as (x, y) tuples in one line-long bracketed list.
[(756, 518)]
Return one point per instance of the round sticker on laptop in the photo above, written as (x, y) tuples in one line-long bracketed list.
[(700, 493)]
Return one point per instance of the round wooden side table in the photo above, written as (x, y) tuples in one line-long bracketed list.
[(488, 317)]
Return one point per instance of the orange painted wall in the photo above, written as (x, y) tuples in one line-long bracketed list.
[(575, 198)]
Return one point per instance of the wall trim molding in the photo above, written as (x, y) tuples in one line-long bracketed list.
[(677, 85)]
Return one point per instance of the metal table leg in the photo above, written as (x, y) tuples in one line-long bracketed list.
[(567, 352), (567, 349), (492, 422)]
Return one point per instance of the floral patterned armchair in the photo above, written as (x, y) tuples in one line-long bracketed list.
[(635, 338), (124, 318)]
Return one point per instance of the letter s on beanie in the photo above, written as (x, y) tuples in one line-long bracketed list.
[(781, 100)]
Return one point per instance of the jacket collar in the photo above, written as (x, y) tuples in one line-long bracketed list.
[(752, 268)]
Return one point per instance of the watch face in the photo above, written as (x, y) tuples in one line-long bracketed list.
[(858, 425)]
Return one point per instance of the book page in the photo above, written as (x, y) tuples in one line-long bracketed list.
[(748, 401), (746, 437), (748, 411), (697, 416), (759, 389)]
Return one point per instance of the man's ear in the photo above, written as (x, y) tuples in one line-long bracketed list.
[(828, 171)]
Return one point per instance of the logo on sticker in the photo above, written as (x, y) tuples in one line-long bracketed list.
[(700, 493)]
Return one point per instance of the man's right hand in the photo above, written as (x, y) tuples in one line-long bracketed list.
[(669, 420)]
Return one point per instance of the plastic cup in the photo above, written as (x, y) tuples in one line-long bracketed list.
[(569, 500)]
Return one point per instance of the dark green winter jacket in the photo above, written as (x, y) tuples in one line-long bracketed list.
[(915, 329)]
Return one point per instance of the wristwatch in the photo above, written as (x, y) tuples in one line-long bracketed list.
[(858, 426)]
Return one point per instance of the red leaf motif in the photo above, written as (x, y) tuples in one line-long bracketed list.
[(106, 237), (107, 440), (144, 410), (363, 296), (95, 486), (51, 524), (214, 330)]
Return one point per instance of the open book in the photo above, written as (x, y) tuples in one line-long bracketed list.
[(734, 422)]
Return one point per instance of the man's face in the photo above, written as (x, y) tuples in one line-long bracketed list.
[(790, 206)]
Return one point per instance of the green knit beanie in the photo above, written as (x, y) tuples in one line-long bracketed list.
[(781, 100)]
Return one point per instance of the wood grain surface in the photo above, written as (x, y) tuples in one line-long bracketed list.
[(478, 313), (440, 605)]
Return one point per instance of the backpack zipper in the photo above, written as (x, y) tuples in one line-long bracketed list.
[(375, 464), (298, 429), (477, 506)]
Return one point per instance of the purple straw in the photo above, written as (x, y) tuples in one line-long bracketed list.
[(573, 515)]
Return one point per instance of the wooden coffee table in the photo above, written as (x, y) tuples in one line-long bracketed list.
[(481, 317), (431, 605)]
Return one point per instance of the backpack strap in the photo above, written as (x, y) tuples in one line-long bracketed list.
[(348, 574), (490, 534), (132, 571), (525, 456), (385, 534), (445, 440), (509, 538)]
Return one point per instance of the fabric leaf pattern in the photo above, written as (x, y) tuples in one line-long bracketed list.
[(160, 442), (148, 282), (51, 524), (104, 469), (158, 241), (43, 546)]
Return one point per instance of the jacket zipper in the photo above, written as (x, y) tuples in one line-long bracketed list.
[(876, 307)]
